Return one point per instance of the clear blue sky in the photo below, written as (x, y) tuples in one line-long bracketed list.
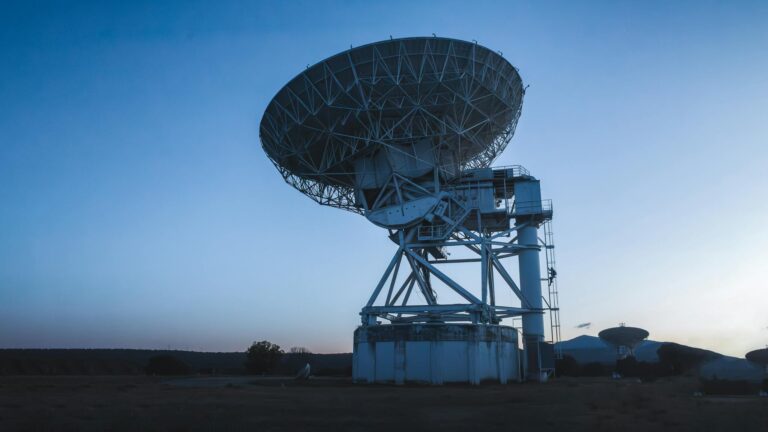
[(138, 210)]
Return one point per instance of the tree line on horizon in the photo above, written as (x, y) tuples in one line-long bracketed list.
[(170, 362)]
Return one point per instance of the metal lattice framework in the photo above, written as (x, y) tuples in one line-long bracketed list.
[(462, 98)]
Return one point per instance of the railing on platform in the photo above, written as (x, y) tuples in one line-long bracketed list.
[(517, 170), (529, 208)]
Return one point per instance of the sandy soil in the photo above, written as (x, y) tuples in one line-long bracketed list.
[(245, 403)]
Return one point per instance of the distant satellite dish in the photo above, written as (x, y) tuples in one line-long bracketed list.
[(303, 373), (624, 339)]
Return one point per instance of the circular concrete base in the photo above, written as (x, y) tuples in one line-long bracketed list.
[(435, 353)]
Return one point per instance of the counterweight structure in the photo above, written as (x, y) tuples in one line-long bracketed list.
[(403, 132)]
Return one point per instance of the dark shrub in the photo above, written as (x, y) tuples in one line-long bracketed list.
[(594, 369), (166, 365), (262, 357), (630, 367), (334, 372), (293, 361), (627, 367), (566, 366), (728, 387), (679, 359)]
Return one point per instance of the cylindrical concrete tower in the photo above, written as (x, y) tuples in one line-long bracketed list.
[(530, 281), (530, 286), (528, 216)]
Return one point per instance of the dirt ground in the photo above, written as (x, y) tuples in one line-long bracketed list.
[(233, 404)]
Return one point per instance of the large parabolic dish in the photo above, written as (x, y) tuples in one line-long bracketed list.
[(622, 336), (402, 104)]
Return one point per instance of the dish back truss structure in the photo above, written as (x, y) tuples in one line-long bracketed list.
[(458, 101)]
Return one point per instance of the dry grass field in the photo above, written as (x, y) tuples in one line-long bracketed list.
[(275, 404)]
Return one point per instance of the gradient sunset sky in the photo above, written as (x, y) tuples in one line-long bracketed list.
[(137, 209)]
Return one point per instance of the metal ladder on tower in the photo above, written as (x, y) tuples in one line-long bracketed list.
[(552, 302)]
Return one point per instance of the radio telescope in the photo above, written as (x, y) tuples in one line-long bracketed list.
[(624, 339), (403, 132)]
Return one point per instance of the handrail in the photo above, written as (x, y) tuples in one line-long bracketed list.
[(517, 170), (531, 207)]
